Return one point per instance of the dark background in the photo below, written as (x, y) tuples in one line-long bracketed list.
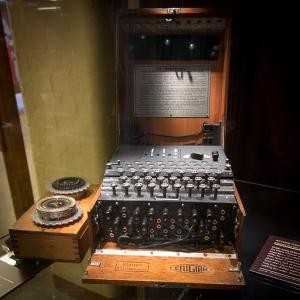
[(262, 117)]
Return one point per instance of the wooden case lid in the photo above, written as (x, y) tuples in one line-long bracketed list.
[(135, 128)]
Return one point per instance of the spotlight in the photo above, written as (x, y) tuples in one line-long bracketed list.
[(191, 46), (167, 42)]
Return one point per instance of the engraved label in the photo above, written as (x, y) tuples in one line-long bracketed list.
[(180, 90), (189, 268), (126, 266)]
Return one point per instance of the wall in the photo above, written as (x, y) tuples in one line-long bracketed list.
[(66, 63)]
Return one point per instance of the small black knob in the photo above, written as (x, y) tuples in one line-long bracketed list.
[(145, 172), (138, 187), (160, 180), (130, 226), (179, 212), (132, 171), (215, 155), (173, 180), (144, 226), (123, 178), (219, 174), (145, 222), (135, 179), (181, 172), (151, 187), (221, 238), (198, 180), (116, 223), (169, 172), (137, 211), (208, 213), (157, 172), (126, 186), (194, 174), (215, 189), (198, 156), (121, 171), (147, 179), (211, 181), (206, 172), (185, 180), (151, 212), (113, 187), (165, 212), (194, 213), (109, 210), (190, 188), (202, 188), (201, 223), (177, 187), (164, 187)]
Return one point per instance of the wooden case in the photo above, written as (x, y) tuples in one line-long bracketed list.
[(67, 243), (208, 269), (218, 269), (170, 130)]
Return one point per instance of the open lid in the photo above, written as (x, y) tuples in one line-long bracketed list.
[(172, 75)]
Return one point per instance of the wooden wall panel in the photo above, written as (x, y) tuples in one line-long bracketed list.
[(166, 130)]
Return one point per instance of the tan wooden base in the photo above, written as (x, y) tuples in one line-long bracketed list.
[(165, 269), (66, 243)]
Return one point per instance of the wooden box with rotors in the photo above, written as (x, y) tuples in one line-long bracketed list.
[(56, 226)]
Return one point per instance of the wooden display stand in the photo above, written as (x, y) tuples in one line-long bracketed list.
[(67, 243)]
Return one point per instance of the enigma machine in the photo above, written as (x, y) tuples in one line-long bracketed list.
[(169, 213), (153, 196)]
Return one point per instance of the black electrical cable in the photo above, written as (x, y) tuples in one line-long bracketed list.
[(154, 244), (268, 186), (195, 134)]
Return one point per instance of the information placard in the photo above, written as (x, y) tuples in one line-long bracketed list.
[(279, 260), (180, 90)]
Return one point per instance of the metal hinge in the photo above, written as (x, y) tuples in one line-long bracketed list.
[(94, 263), (173, 10), (236, 268)]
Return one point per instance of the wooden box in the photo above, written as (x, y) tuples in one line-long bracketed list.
[(212, 268), (68, 243), (208, 269)]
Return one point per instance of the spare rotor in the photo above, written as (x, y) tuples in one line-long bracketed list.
[(56, 211), (75, 187)]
